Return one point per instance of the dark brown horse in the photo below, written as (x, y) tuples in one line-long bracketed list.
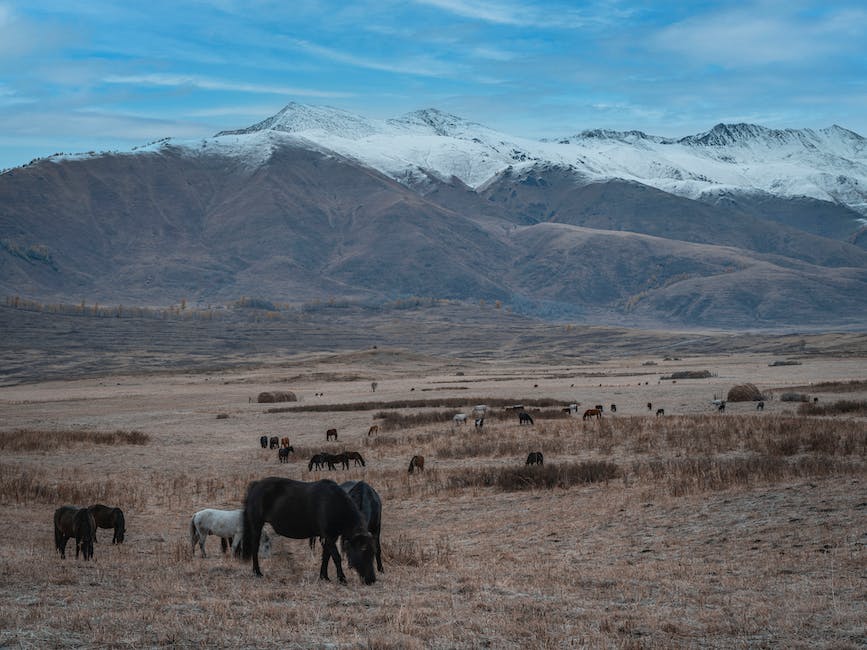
[(534, 458), (108, 517), (356, 457), (416, 463), (74, 522), (274, 442), (591, 413), (303, 510), (524, 417), (331, 433)]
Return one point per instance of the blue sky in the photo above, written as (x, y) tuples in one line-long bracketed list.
[(80, 76)]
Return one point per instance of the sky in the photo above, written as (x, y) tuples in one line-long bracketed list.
[(102, 75)]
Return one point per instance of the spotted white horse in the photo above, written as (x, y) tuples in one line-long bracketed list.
[(226, 524)]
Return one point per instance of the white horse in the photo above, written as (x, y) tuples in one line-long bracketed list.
[(226, 524), (460, 418)]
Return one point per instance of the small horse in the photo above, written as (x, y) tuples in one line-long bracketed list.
[(263, 440), (318, 460), (460, 418), (760, 406), (355, 456), (374, 428), (613, 408), (284, 441), (722, 407), (331, 433), (534, 458), (524, 417), (70, 521), (416, 463), (649, 406), (283, 453), (480, 422), (592, 413), (274, 442), (332, 459), (225, 524), (660, 412), (108, 517), (599, 408), (303, 510)]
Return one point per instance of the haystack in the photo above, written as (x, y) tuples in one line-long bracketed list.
[(271, 396), (744, 393)]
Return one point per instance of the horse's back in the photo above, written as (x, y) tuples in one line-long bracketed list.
[(367, 501)]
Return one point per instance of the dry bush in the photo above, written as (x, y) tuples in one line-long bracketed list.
[(851, 386), (466, 403), (774, 364), (840, 407), (794, 397), (689, 374), (390, 420), (38, 439), (405, 551), (532, 477), (744, 393), (271, 396)]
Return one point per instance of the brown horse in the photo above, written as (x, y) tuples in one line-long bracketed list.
[(417, 462), (592, 413), (284, 441), (274, 442), (108, 517), (331, 433), (374, 428), (74, 522), (355, 456)]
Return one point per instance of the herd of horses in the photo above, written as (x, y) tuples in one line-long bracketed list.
[(325, 460), (81, 524)]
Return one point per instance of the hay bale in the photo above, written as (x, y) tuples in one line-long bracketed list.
[(271, 396), (744, 393)]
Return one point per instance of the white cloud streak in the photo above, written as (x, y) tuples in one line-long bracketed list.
[(204, 83)]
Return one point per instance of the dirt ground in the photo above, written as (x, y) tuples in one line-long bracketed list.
[(630, 562)]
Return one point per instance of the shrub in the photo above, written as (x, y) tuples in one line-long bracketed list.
[(269, 397), (834, 408), (689, 374), (794, 397), (538, 476)]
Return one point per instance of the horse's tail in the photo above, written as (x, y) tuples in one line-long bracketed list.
[(119, 525), (194, 534), (411, 464), (249, 518)]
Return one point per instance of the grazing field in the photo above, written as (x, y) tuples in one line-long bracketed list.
[(698, 528)]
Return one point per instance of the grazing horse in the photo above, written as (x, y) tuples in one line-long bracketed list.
[(331, 460), (283, 453), (480, 422), (534, 458), (355, 456), (524, 417), (303, 510), (318, 460), (592, 413), (263, 440), (660, 412), (760, 406), (284, 441), (416, 462), (370, 506), (108, 517), (331, 433), (274, 442), (722, 407), (460, 418), (599, 408), (70, 521), (225, 524), (614, 408), (374, 428)]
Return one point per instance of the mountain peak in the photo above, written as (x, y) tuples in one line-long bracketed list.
[(302, 118)]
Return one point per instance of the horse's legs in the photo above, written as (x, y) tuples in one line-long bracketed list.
[(378, 552), (329, 550), (77, 546), (224, 544), (256, 537), (60, 541)]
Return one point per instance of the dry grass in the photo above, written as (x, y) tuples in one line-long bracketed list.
[(37, 439), (840, 407), (720, 530)]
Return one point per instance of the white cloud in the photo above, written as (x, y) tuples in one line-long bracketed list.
[(157, 79)]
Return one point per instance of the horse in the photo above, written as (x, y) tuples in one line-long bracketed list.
[(572, 408), (108, 517), (284, 441), (370, 506), (263, 440), (303, 510), (649, 406), (355, 456), (225, 524), (460, 418), (760, 406), (318, 460), (374, 428), (660, 412), (283, 453), (480, 409), (599, 408), (332, 459), (480, 422), (416, 462), (331, 433), (523, 417), (722, 407), (613, 408), (592, 413), (534, 458), (274, 442), (70, 521)]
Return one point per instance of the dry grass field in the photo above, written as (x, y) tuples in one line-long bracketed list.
[(697, 529)]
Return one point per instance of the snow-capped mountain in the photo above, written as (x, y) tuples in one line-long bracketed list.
[(827, 164)]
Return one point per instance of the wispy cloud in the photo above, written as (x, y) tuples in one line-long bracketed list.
[(157, 79), (523, 14), (418, 66)]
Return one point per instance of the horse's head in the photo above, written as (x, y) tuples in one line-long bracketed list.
[(360, 551)]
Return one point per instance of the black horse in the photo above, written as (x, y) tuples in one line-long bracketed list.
[(370, 505), (108, 517), (74, 522), (263, 440), (273, 442), (317, 460), (534, 458), (523, 417), (356, 457), (332, 459), (303, 510)]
